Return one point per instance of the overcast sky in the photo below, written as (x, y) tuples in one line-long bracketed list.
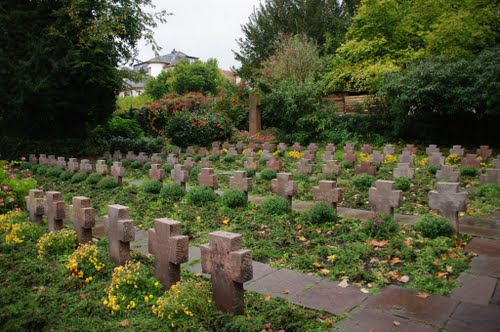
[(202, 28)]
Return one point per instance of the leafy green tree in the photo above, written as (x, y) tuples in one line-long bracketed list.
[(157, 87), (59, 62), (323, 21), (198, 76)]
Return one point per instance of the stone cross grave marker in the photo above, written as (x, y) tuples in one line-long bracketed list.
[(240, 181), (436, 158), (240, 146), (250, 163), (327, 192), (61, 162), (411, 148), (43, 159), (106, 155), (377, 157), (190, 150), (226, 145), (101, 167), (117, 155), (307, 154), (250, 153), (142, 157), (120, 231), (405, 170), (215, 144), (366, 149), (179, 175), (304, 167), (170, 249), (203, 151), (448, 201), (448, 173), (52, 160), (297, 147), (267, 146), (85, 166), (471, 160), (118, 171), (348, 147), (331, 167), (155, 158), (492, 175), (229, 267), (330, 147), (73, 165), (389, 149), (432, 148), (55, 210), (176, 151), (232, 152), (496, 162), (35, 204), (458, 150), (205, 163), (328, 155), (172, 159), (274, 163), (82, 217), (189, 163), (313, 147), (216, 151), (282, 147), (351, 156), (32, 159), (285, 187), (406, 157), (131, 156), (207, 177), (156, 172), (164, 150), (266, 154), (484, 152), (366, 168), (384, 198)]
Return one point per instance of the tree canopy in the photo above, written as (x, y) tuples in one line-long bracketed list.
[(59, 62)]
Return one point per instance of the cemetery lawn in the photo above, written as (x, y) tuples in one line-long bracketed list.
[(38, 294)]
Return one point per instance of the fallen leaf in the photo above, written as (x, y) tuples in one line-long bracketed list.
[(441, 274), (370, 285), (267, 298), (317, 264), (394, 275), (364, 290), (449, 268), (395, 260), (324, 271), (298, 227), (376, 243), (408, 242), (423, 295), (343, 284), (319, 231), (396, 323), (404, 279), (225, 222), (284, 292), (301, 238), (84, 296), (124, 323), (331, 258)]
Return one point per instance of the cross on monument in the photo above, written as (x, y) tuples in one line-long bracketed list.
[(296, 147), (55, 210), (350, 155), (274, 163), (229, 267), (406, 157), (496, 162), (484, 152), (448, 201), (348, 147), (458, 150), (492, 175), (447, 173), (170, 249), (85, 166), (366, 149), (436, 158), (155, 158), (82, 217), (73, 165), (327, 192), (250, 163), (205, 163), (304, 167), (120, 231), (101, 167), (328, 155), (156, 172), (118, 171), (207, 177), (471, 160), (285, 187), (117, 155), (331, 167), (411, 148), (61, 162), (432, 148), (282, 147), (33, 159), (179, 175), (377, 157), (36, 205), (384, 198), (366, 168), (189, 163), (389, 149), (330, 147), (240, 181), (172, 159), (405, 170)]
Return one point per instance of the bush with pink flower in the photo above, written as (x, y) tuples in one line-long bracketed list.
[(15, 182)]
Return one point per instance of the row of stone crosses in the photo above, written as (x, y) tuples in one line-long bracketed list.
[(228, 264)]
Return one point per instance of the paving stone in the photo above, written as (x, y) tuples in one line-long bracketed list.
[(486, 266), (371, 321), (483, 227), (282, 283), (260, 270), (475, 317), (474, 289), (495, 299), (405, 303), (329, 297), (300, 206), (486, 247)]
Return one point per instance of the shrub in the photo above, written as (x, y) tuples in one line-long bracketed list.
[(172, 192), (234, 198), (87, 262), (125, 163), (15, 229), (228, 159), (66, 175), (363, 180), (152, 186), (268, 174), (55, 244), (136, 164), (201, 195), (274, 205), (41, 170), (346, 164), (402, 183), (146, 167), (469, 171), (432, 226), (167, 168), (78, 177), (320, 213), (107, 183), (250, 172), (489, 191), (94, 178), (432, 169), (380, 226), (193, 173), (14, 186), (54, 172), (213, 158), (109, 162)]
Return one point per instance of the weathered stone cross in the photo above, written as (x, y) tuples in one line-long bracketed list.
[(432, 148), (61, 162), (36, 205), (447, 173), (389, 149), (331, 167), (120, 231), (304, 167), (448, 201), (118, 171), (239, 181), (471, 160), (179, 175), (274, 163), (377, 157), (366, 149), (172, 159), (55, 210), (327, 192), (351, 156), (82, 217), (384, 198), (458, 150), (207, 177), (366, 168), (405, 170), (436, 158), (492, 175), (205, 163), (406, 157), (170, 250), (73, 165), (285, 187), (229, 267), (85, 166), (156, 172), (250, 163), (101, 167), (189, 163), (33, 159), (484, 152)]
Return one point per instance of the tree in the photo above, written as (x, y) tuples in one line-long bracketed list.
[(196, 77), (324, 21), (59, 62), (157, 87)]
